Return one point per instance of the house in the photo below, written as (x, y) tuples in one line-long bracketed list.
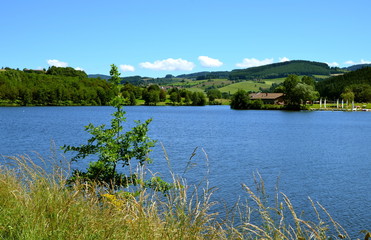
[(268, 98)]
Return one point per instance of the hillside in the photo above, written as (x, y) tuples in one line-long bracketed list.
[(356, 67), (275, 70), (334, 86), (278, 70), (101, 76)]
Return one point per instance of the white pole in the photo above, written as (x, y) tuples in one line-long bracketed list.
[(320, 103), (342, 103), (325, 103), (337, 103)]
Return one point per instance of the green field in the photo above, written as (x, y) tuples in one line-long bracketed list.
[(252, 86), (227, 86)]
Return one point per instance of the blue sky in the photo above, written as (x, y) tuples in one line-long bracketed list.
[(154, 38)]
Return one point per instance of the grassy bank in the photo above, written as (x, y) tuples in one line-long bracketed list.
[(35, 204)]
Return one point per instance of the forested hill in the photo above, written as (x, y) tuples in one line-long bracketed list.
[(358, 66), (275, 70), (283, 69), (358, 81), (56, 86)]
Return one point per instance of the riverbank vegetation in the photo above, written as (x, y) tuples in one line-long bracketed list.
[(36, 204)]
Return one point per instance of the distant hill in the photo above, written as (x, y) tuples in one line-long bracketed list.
[(270, 71), (356, 67), (101, 76), (334, 86), (278, 70), (275, 70), (205, 75)]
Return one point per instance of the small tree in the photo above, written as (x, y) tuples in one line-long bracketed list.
[(240, 100), (112, 147), (348, 95)]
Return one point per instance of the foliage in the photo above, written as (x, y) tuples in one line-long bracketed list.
[(29, 88), (66, 71), (198, 99), (283, 69), (213, 94), (333, 87), (361, 92), (240, 100), (347, 96), (297, 92), (112, 147)]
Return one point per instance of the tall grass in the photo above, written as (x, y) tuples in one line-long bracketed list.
[(35, 204)]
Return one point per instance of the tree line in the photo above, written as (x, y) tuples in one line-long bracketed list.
[(355, 85), (56, 86), (67, 86)]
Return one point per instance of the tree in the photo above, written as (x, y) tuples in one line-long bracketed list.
[(347, 95), (112, 147), (308, 80), (240, 100), (132, 99), (288, 87), (162, 95), (174, 97), (303, 93), (187, 98), (153, 97), (198, 99), (213, 94), (297, 92)]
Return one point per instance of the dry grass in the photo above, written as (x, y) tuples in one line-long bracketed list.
[(35, 204)]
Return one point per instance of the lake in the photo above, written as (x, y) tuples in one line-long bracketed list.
[(324, 155)]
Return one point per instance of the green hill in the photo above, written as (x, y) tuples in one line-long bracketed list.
[(334, 86), (279, 70), (356, 67), (270, 71)]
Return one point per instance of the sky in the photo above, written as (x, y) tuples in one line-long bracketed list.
[(154, 38)]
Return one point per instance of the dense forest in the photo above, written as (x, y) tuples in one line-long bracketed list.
[(353, 85), (284, 69), (275, 70), (67, 86), (56, 86)]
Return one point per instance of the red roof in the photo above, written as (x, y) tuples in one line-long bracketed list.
[(272, 96)]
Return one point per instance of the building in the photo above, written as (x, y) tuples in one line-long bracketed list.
[(268, 98)]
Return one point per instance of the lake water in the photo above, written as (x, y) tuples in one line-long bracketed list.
[(324, 155)]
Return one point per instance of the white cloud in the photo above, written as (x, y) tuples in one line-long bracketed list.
[(284, 59), (169, 64), (57, 63), (209, 62), (355, 63), (333, 64), (127, 68), (350, 63), (79, 69), (365, 61), (253, 62)]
